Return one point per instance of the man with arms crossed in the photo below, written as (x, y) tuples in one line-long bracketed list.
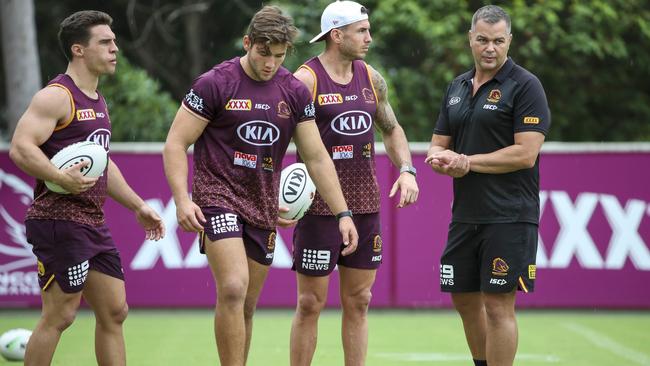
[(491, 127), (350, 98), (240, 116), (76, 254)]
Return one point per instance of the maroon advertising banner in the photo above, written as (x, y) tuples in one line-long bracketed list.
[(593, 249)]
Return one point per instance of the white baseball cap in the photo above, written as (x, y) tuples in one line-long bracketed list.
[(339, 14)]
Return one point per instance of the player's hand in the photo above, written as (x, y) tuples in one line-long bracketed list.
[(285, 222), (189, 216), (459, 166), (349, 235), (408, 188), (73, 181), (153, 225)]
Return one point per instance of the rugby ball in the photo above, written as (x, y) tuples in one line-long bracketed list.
[(13, 343), (297, 191), (76, 153)]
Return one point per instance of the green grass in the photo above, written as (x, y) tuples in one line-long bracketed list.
[(185, 337)]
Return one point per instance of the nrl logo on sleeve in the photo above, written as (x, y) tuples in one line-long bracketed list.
[(238, 105), (531, 120), (325, 99), (86, 115)]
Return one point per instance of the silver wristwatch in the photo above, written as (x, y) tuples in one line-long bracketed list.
[(408, 169)]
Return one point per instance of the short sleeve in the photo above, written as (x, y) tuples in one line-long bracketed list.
[(442, 124), (304, 108), (531, 112), (203, 98)]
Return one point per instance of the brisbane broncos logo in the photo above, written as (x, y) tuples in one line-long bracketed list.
[(16, 195), (499, 267)]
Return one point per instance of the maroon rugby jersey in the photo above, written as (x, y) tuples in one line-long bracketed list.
[(89, 122), (344, 114), (237, 158)]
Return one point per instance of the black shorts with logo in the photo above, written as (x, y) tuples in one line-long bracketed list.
[(223, 223), (490, 258), (317, 244)]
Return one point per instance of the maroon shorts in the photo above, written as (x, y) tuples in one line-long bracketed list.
[(67, 250), (317, 244), (223, 223)]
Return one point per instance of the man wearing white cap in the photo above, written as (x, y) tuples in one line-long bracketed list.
[(350, 98)]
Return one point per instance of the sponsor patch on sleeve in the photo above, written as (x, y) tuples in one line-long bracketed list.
[(531, 120)]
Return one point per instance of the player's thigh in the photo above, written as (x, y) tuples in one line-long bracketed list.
[(356, 282), (459, 264), (508, 257), (257, 274), (227, 260), (106, 295), (58, 304)]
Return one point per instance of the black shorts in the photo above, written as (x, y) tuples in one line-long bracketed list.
[(317, 244), (490, 258), (67, 250), (223, 223)]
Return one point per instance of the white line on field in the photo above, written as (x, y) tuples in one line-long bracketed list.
[(609, 344), (460, 357)]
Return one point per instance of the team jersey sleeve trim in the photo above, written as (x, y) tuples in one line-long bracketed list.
[(74, 110), (372, 85), (194, 113), (313, 73)]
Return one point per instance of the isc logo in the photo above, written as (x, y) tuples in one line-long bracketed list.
[(259, 133), (352, 123), (490, 107)]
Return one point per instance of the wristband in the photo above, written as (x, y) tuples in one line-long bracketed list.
[(408, 169), (343, 214)]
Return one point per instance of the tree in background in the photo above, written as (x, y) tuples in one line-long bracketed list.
[(592, 55), (21, 63)]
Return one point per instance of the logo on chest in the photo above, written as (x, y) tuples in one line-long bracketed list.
[(259, 133), (238, 105), (326, 99), (352, 123), (86, 115)]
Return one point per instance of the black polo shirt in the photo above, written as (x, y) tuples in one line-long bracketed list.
[(513, 101)]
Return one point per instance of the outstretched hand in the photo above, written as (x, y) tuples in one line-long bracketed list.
[(408, 188), (152, 224)]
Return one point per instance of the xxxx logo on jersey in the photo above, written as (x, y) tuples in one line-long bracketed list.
[(325, 99), (239, 105)]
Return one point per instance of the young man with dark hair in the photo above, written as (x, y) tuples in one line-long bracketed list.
[(75, 251), (240, 116)]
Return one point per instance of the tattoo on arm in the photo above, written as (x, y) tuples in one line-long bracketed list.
[(385, 119)]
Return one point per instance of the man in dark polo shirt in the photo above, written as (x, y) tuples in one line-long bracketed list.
[(491, 127)]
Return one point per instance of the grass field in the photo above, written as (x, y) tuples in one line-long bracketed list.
[(185, 337)]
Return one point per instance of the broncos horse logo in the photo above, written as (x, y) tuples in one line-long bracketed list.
[(16, 195)]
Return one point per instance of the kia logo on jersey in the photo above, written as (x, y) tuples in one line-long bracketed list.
[(352, 123), (259, 133)]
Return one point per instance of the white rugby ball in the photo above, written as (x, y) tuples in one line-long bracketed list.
[(13, 343), (297, 191), (76, 153)]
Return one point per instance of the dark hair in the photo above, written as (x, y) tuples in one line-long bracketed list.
[(491, 14), (76, 29), (271, 25)]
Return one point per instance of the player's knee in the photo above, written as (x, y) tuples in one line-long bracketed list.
[(119, 313), (232, 292), (497, 309), (358, 302), (310, 304), (62, 320)]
